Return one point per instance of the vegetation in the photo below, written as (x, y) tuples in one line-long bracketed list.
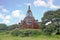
[(40, 37), (54, 26), (26, 32), (14, 26), (50, 31)]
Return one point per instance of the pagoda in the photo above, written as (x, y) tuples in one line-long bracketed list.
[(29, 21)]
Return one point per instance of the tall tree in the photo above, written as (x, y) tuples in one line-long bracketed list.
[(54, 18), (3, 27)]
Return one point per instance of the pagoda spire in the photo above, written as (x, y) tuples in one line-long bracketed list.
[(29, 7), (29, 12)]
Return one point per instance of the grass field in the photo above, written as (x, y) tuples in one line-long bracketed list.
[(40, 37)]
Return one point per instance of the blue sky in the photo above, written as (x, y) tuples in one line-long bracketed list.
[(13, 11)]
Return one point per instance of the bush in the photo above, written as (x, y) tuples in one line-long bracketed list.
[(35, 32), (31, 33), (15, 33), (47, 32), (25, 33), (7, 32)]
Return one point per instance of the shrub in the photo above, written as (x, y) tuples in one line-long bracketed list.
[(15, 33), (25, 33), (31, 33)]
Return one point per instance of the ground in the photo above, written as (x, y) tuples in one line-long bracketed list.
[(40, 37)]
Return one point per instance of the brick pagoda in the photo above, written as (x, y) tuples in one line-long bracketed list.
[(29, 21)]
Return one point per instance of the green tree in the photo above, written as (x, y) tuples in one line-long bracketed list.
[(3, 27), (54, 17), (14, 26)]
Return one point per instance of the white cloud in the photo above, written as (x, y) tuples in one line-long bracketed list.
[(51, 4), (6, 19), (1, 16), (48, 4), (28, 4), (39, 3), (18, 14), (4, 10)]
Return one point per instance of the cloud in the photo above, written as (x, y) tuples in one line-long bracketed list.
[(39, 3), (48, 4), (1, 16), (4, 10), (51, 4), (18, 14), (28, 4), (6, 19)]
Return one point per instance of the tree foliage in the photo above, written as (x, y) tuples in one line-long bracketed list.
[(14, 26), (54, 17), (3, 27), (49, 15)]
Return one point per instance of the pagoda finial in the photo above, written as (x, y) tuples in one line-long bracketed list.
[(28, 7)]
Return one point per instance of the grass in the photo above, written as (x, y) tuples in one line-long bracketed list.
[(4, 36), (40, 37)]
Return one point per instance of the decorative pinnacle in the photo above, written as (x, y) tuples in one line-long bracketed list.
[(29, 7)]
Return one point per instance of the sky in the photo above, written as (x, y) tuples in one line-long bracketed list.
[(13, 11)]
